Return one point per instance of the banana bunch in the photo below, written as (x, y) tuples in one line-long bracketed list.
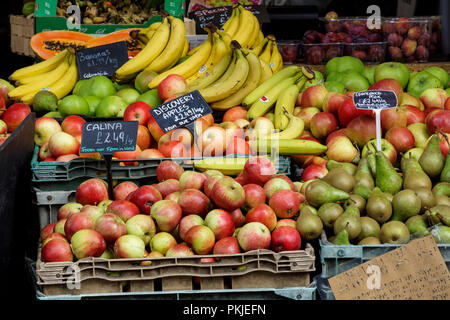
[(267, 50), (243, 27), (165, 43), (57, 74)]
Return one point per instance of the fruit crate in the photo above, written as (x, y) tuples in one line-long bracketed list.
[(339, 258), (22, 29), (57, 175), (253, 269)]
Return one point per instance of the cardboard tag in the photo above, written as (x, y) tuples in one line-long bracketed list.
[(375, 99), (109, 137), (101, 60), (181, 111), (414, 271)]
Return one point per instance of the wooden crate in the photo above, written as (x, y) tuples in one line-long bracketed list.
[(22, 29)]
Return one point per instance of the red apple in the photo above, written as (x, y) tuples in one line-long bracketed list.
[(44, 128), (129, 246), (361, 129), (192, 180), (168, 169), (220, 222), (264, 214), (213, 141), (394, 117), (447, 104), (237, 146), (314, 160), (59, 226), (232, 131), (254, 195), (3, 127), (241, 179), (314, 96), (173, 149), (124, 209), (413, 114), (275, 184), (67, 157), (73, 125), (61, 143), (285, 203), (401, 138), (238, 218), (15, 114), (201, 238), (228, 245), (411, 100), (323, 124), (434, 97), (67, 209), (182, 135), (234, 114), (123, 189), (92, 191), (111, 227), (56, 250), (144, 139), (154, 128), (47, 230), (341, 149), (137, 111), (306, 114), (337, 133), (179, 250), (175, 196), (77, 221), (193, 201), (333, 101), (167, 214), (228, 194), (242, 123), (161, 242), (172, 84), (286, 222), (92, 211), (128, 155), (313, 172), (258, 170), (142, 226), (253, 236), (389, 85), (348, 111), (438, 120), (212, 176), (168, 186), (285, 238), (144, 197), (188, 222), (53, 236), (151, 154)]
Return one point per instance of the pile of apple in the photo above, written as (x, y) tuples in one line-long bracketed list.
[(185, 213), (11, 118)]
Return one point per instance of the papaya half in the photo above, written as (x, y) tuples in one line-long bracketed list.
[(121, 35)]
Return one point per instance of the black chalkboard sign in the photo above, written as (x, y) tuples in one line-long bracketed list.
[(219, 15), (375, 99), (101, 60), (109, 137), (181, 111)]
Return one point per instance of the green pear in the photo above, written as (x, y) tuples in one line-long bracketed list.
[(386, 177), (445, 173), (427, 199), (369, 228), (341, 238), (369, 241), (441, 189), (413, 175), (438, 214), (364, 183), (441, 234), (420, 133), (329, 212), (417, 225), (378, 207), (319, 192), (356, 200), (442, 200), (432, 160), (340, 178), (350, 167), (309, 225), (405, 204), (349, 220), (394, 232)]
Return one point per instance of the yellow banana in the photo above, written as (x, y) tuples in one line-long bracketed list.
[(266, 71), (208, 39), (44, 76), (186, 48), (288, 146), (233, 26), (228, 71), (63, 86), (246, 28), (211, 77), (152, 50), (255, 32), (39, 68), (228, 166), (308, 73), (260, 47), (269, 83), (232, 84), (265, 103), (187, 68), (154, 26), (174, 48), (267, 52), (260, 38), (227, 23), (250, 84), (225, 37), (276, 61), (294, 128), (284, 106), (47, 80)]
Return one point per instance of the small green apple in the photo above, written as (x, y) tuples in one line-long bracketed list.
[(340, 64), (392, 70), (93, 103), (73, 104), (99, 86), (129, 95), (422, 81), (151, 98), (112, 106), (369, 74), (354, 81), (334, 86), (439, 73)]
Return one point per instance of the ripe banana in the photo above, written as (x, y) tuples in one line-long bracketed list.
[(265, 103), (39, 68), (154, 26), (276, 61), (266, 85), (228, 71), (227, 23), (208, 39), (63, 86), (46, 80), (228, 166), (250, 84), (43, 77), (255, 32), (260, 47), (267, 52), (233, 26), (284, 106), (225, 37), (174, 48), (308, 73), (266, 71), (187, 68), (185, 48), (288, 146), (213, 75), (260, 38), (229, 86), (245, 32), (152, 50)]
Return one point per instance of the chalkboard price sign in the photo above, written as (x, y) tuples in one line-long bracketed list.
[(101, 60), (375, 99), (109, 137), (181, 111)]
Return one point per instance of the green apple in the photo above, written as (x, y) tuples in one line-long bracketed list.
[(143, 79), (439, 73), (112, 106), (354, 81), (340, 64), (73, 104), (128, 95), (93, 103), (369, 74), (392, 70), (334, 86), (79, 89), (334, 76), (318, 79), (422, 81), (151, 98), (99, 86)]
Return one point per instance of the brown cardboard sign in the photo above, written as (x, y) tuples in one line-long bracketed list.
[(415, 271)]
